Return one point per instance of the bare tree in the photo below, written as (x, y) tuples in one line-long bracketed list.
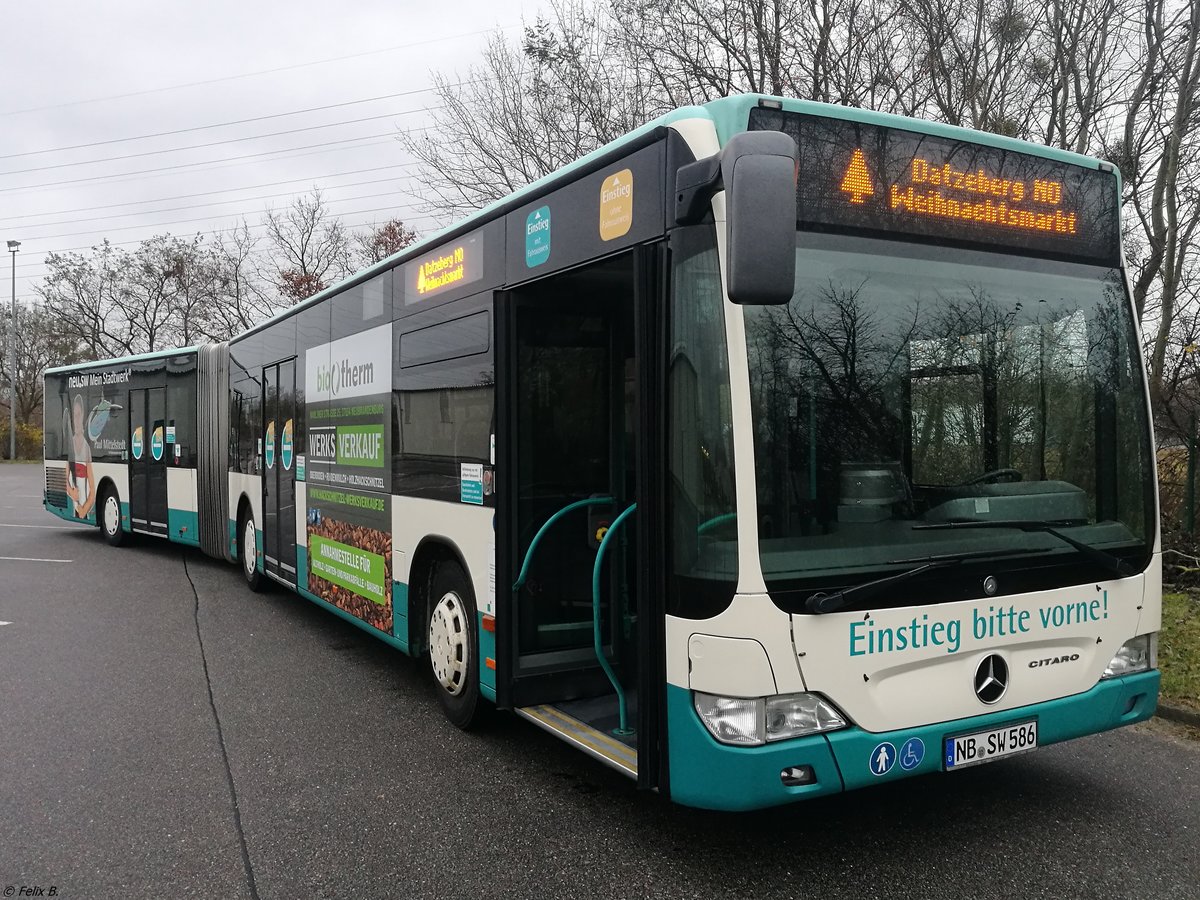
[(379, 242), (113, 302), (39, 346), (1159, 154), (525, 111), (311, 247), (81, 293), (242, 296)]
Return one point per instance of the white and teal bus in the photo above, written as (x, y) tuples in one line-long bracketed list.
[(775, 450)]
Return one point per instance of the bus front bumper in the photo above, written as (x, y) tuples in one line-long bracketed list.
[(711, 775)]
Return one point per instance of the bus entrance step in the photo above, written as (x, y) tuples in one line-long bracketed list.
[(603, 747)]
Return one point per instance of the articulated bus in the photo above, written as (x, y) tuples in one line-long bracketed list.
[(774, 450)]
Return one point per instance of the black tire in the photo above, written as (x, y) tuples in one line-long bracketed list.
[(108, 516), (247, 544), (453, 647)]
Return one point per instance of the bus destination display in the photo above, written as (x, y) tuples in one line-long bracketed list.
[(855, 175)]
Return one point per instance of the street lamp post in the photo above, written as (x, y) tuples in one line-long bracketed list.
[(13, 247)]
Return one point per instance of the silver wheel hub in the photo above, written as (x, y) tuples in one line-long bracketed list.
[(249, 547), (449, 649), (112, 514)]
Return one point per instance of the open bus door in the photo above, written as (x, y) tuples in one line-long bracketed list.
[(580, 460)]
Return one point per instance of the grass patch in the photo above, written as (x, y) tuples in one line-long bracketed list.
[(1179, 649)]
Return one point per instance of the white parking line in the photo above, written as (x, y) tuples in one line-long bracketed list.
[(33, 559), (61, 527)]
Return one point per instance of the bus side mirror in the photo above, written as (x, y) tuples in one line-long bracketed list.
[(757, 171)]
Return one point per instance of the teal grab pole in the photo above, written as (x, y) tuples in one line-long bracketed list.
[(715, 522), (597, 643), (590, 501)]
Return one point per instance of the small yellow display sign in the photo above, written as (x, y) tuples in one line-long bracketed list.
[(441, 271), (616, 205), (450, 266)]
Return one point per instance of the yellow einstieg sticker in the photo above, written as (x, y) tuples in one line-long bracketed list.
[(616, 205)]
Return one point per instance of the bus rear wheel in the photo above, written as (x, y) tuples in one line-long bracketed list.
[(452, 644), (248, 551), (110, 516)]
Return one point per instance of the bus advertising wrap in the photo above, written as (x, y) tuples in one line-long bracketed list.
[(348, 473), (347, 391), (350, 553)]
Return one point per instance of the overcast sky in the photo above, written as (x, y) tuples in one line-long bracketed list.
[(80, 72)]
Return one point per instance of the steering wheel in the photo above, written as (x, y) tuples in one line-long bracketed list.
[(997, 476)]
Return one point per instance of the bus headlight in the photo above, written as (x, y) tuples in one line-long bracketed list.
[(753, 721), (731, 720), (1136, 655), (794, 715)]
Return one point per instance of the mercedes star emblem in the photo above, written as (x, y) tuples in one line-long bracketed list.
[(991, 679)]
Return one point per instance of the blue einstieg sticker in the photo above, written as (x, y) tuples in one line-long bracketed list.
[(537, 237), (470, 483)]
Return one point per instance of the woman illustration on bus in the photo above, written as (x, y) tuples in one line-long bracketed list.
[(81, 477)]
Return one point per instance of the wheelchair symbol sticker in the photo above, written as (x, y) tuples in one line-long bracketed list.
[(911, 754)]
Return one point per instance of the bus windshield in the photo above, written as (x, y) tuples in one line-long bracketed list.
[(908, 386)]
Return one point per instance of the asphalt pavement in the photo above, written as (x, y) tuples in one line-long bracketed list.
[(166, 733)]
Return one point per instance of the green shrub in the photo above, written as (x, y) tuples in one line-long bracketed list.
[(29, 441)]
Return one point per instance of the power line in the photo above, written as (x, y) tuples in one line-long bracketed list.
[(169, 171), (187, 221), (249, 187), (217, 203), (317, 62), (386, 134), (253, 137), (295, 112), (216, 231), (151, 212), (152, 225)]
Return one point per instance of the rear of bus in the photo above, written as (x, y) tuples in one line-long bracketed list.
[(927, 478)]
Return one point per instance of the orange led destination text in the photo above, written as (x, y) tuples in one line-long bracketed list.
[(991, 201), (441, 271)]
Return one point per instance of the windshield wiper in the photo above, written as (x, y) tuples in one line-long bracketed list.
[(1110, 561), (821, 603)]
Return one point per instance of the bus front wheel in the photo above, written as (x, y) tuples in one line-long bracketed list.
[(110, 516), (452, 644), (249, 551)]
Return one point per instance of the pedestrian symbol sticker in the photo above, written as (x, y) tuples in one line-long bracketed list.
[(537, 237), (883, 757), (911, 754)]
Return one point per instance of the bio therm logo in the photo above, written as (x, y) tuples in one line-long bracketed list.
[(344, 373), (350, 367)]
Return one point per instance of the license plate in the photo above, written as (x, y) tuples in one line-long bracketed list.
[(984, 746)]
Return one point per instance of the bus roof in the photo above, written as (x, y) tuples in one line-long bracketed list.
[(729, 116), (491, 211), (117, 360)]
